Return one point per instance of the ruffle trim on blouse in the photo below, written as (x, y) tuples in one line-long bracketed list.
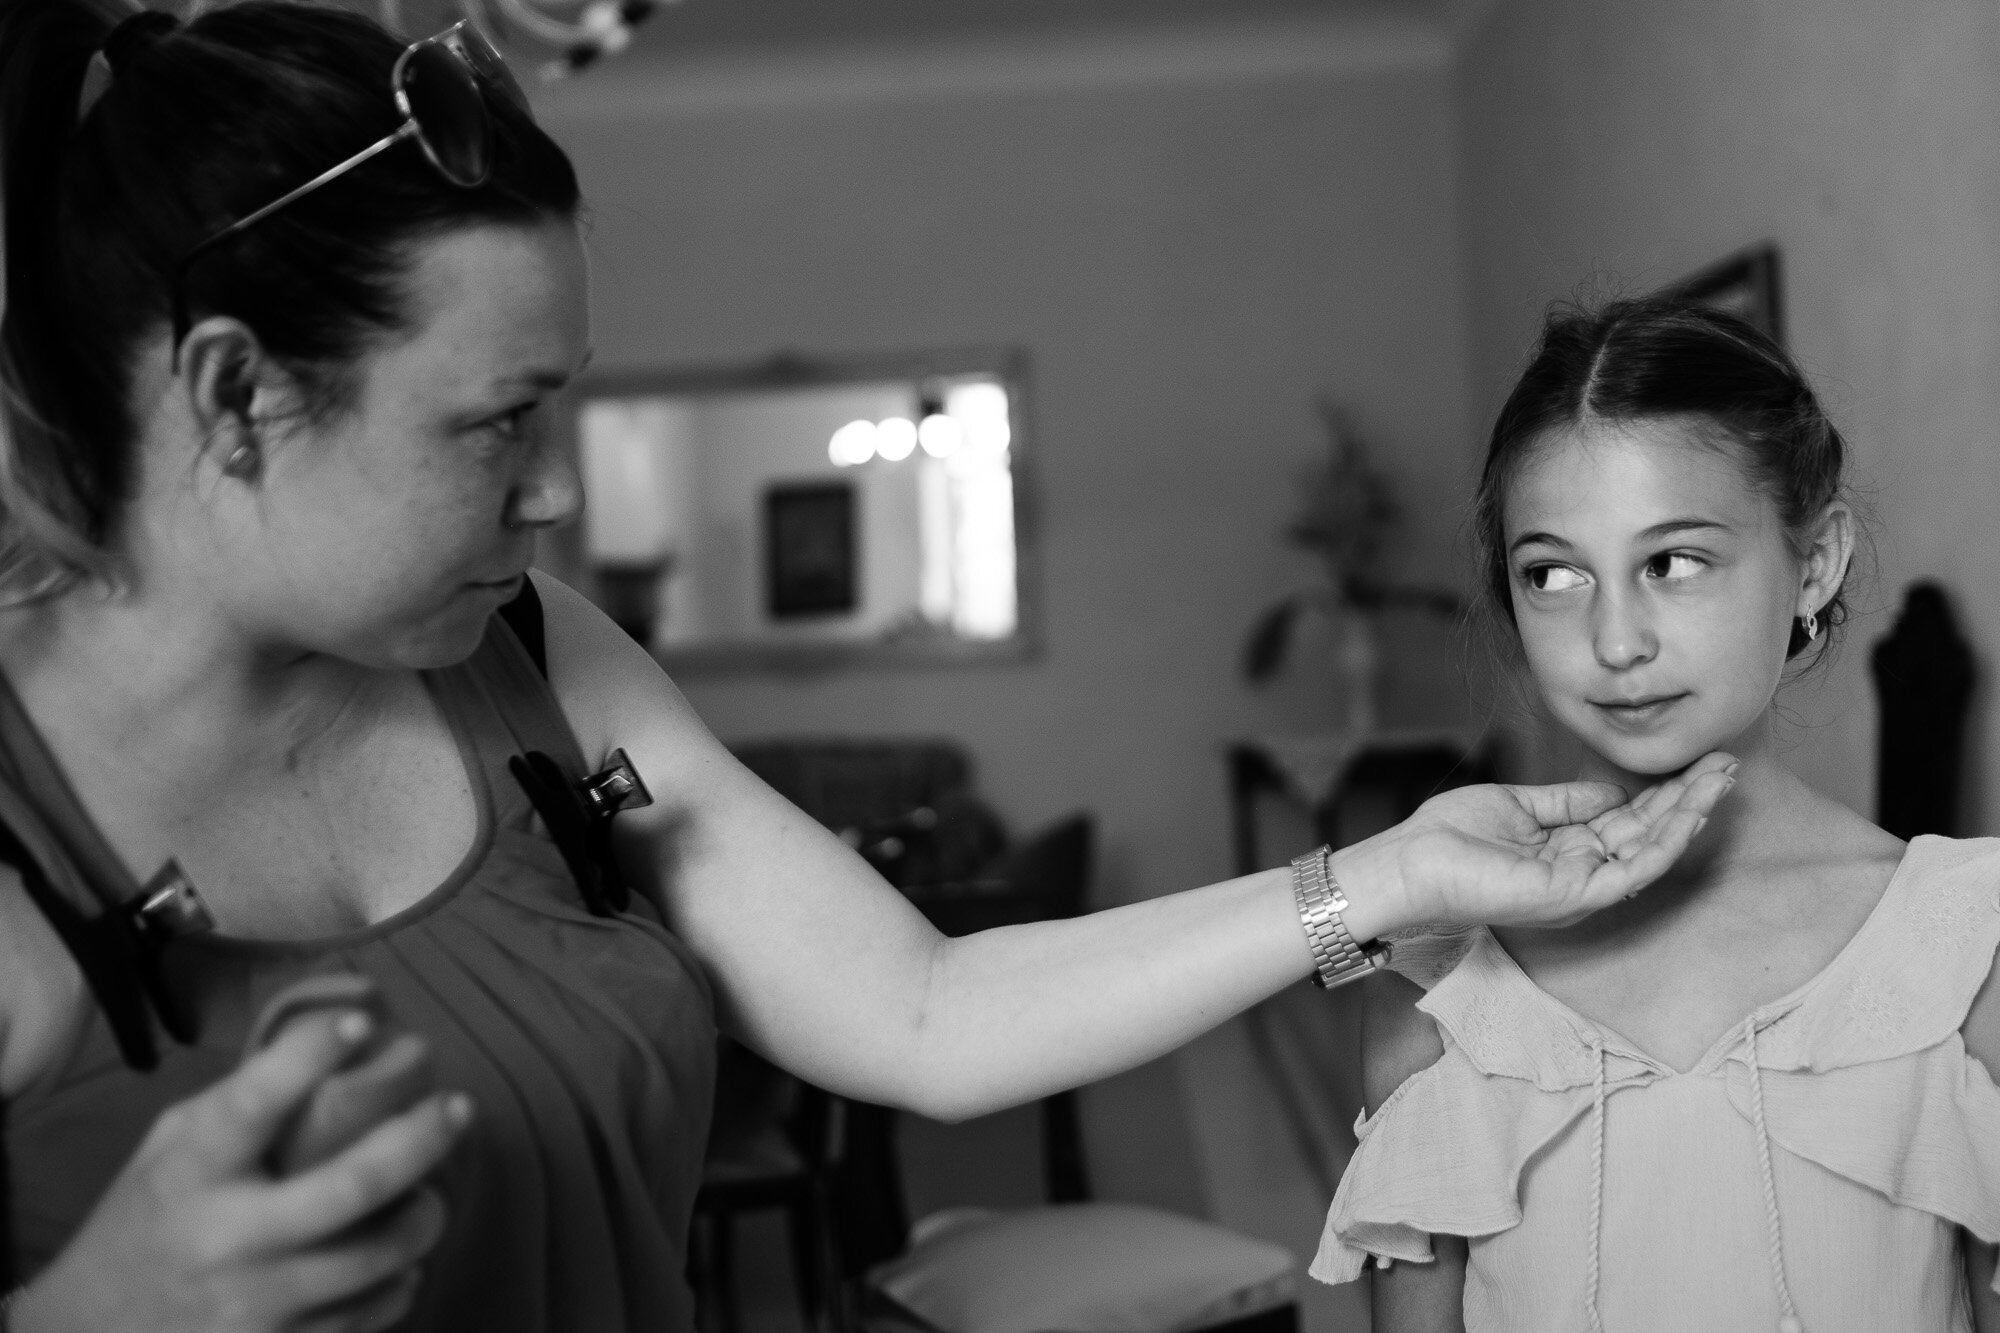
[(1863, 1072), (1922, 1131), (1443, 1156)]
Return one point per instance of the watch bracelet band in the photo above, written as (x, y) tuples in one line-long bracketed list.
[(1320, 901)]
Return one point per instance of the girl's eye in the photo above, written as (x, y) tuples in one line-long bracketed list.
[(1552, 578), (1675, 565)]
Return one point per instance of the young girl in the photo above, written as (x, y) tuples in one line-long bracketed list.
[(1756, 1096)]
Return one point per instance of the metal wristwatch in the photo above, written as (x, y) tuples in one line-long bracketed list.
[(1340, 960)]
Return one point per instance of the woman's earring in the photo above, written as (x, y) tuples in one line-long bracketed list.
[(1810, 623), (241, 463)]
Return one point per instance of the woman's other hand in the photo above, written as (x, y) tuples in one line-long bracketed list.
[(1525, 856), (196, 1235)]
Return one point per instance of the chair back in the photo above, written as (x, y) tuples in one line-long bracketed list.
[(871, 1217)]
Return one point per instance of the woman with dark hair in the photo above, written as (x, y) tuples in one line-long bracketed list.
[(1760, 1095), (296, 759)]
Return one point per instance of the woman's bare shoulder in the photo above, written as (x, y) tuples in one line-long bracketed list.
[(1398, 1040), (43, 999), (610, 687), (615, 696)]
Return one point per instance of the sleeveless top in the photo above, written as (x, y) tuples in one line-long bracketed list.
[(587, 1044), (1812, 1170)]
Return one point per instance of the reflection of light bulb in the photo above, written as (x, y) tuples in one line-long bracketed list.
[(853, 444), (940, 435), (989, 436), (978, 400), (895, 438)]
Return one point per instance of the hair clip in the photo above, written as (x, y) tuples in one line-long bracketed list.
[(168, 907), (616, 788), (578, 818), (96, 83), (118, 949)]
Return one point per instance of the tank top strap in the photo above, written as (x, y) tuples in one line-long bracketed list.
[(534, 766), (40, 807), (501, 700)]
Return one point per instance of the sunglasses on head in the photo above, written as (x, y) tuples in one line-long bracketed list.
[(436, 83)]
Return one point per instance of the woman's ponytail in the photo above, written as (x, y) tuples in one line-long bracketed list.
[(52, 484)]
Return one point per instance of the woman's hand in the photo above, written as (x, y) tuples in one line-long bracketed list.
[(196, 1235), (1525, 856)]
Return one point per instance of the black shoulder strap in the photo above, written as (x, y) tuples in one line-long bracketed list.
[(524, 616)]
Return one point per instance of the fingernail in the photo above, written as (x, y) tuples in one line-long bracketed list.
[(354, 1027), (458, 1110)]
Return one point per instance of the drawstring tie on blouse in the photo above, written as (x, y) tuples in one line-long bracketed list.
[(1789, 1321), (1596, 1180)]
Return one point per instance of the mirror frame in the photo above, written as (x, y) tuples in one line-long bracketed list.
[(563, 555)]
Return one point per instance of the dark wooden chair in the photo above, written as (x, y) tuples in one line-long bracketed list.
[(968, 1261), (776, 1144)]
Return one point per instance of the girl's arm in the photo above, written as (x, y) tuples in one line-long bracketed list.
[(1399, 1040), (1982, 1040), (823, 967), (1979, 1270)]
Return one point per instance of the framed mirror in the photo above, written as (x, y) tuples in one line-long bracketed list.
[(808, 513)]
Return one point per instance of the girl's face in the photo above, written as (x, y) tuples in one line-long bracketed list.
[(1655, 589), (389, 534)]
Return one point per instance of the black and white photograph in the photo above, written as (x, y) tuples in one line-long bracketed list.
[(999, 666)]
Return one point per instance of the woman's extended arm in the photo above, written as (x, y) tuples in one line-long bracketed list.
[(825, 968)]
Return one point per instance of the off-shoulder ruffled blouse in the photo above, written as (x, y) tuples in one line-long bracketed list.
[(1814, 1167)]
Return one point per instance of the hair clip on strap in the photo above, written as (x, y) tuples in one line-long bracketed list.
[(578, 817), (96, 83), (618, 787), (169, 908)]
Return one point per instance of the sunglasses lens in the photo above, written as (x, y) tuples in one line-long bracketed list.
[(480, 55), (444, 100)]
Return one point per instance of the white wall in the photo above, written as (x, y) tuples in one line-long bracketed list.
[(1639, 139), (1188, 263), (1191, 243)]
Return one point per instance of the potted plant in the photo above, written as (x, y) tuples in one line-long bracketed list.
[(1346, 513)]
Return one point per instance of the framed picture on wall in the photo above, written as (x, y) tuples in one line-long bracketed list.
[(1746, 284), (809, 549)]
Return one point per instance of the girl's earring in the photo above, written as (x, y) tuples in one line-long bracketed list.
[(241, 463), (1810, 623)]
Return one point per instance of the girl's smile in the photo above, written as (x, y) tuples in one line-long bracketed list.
[(1639, 714)]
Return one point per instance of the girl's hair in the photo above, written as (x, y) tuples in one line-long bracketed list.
[(200, 125), (1659, 357)]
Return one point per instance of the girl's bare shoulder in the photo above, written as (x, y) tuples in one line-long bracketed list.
[(1398, 1039)]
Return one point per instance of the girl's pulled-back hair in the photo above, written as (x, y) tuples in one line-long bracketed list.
[(199, 126), (1660, 357)]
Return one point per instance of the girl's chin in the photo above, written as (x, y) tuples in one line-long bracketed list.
[(1653, 758)]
